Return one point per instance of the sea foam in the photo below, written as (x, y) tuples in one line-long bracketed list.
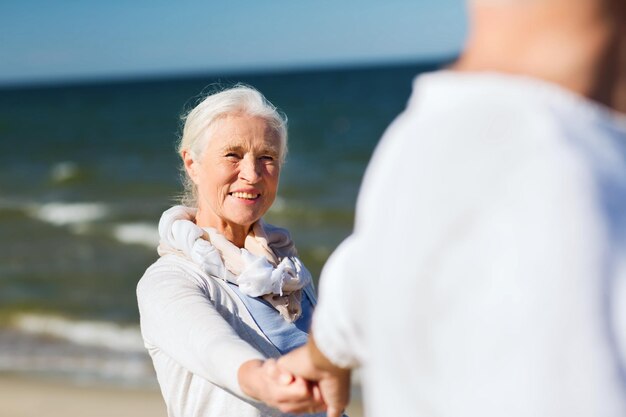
[(79, 350), (63, 171), (64, 214), (87, 333), (137, 233)]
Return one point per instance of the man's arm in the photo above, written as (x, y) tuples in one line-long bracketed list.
[(310, 363)]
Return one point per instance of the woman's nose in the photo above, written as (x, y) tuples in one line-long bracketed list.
[(250, 170)]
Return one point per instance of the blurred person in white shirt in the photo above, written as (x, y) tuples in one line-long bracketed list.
[(486, 274)]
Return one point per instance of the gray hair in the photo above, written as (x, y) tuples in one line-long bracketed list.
[(240, 98)]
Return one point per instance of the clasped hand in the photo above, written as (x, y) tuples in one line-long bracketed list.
[(292, 384)]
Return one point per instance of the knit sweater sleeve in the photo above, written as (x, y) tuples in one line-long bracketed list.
[(178, 318)]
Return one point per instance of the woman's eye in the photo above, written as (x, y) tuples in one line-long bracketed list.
[(267, 158), (232, 155)]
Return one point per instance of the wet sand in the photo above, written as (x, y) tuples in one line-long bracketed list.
[(29, 397), (25, 397)]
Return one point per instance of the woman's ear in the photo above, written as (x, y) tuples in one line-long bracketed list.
[(191, 166)]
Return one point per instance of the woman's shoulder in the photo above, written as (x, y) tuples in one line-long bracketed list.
[(172, 270), (171, 264)]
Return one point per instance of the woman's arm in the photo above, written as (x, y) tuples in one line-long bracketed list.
[(177, 317)]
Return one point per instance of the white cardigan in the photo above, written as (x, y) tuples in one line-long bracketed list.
[(198, 333)]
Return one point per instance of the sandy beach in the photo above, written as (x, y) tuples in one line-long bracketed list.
[(28, 397)]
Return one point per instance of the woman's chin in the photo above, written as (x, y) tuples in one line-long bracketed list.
[(244, 219), (247, 211)]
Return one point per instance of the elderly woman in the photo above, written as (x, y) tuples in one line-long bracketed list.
[(228, 290)]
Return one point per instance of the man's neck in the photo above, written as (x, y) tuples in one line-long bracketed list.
[(579, 48)]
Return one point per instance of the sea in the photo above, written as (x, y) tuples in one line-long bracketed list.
[(86, 169)]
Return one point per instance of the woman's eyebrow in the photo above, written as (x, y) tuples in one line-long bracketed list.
[(232, 147), (235, 147), (274, 150)]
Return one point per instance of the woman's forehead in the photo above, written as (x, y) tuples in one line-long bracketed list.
[(243, 132)]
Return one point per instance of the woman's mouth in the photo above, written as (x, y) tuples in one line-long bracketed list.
[(245, 196)]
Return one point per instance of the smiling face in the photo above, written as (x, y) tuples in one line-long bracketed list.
[(237, 174)]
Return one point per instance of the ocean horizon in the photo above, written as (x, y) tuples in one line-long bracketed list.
[(86, 169)]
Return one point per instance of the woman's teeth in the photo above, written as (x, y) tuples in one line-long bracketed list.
[(245, 195)]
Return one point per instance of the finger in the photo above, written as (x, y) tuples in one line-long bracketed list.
[(334, 412), (276, 373), (301, 407), (295, 399), (284, 377), (316, 393), (297, 390)]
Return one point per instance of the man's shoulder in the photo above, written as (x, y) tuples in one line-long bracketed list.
[(449, 99), (459, 141)]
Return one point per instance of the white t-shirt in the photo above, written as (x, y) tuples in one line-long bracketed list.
[(486, 275)]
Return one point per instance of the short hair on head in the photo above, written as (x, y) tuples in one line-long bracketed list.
[(240, 98)]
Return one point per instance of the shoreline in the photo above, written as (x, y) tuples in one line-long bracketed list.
[(30, 396), (26, 396)]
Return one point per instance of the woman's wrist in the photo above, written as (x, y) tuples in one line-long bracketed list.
[(247, 376)]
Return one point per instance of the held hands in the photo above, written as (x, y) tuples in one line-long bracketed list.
[(267, 382), (303, 381), (333, 382)]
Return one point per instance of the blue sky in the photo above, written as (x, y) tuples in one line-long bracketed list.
[(72, 39)]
